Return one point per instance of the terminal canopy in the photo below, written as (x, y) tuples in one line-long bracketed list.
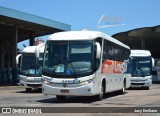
[(147, 38), (28, 25), (16, 26)]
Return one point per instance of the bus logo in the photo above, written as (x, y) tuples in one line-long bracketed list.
[(110, 66), (70, 81), (64, 85)]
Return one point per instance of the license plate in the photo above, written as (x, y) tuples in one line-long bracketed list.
[(64, 91)]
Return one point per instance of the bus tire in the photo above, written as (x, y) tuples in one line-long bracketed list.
[(60, 97), (28, 90), (122, 91), (147, 88), (101, 95), (40, 89)]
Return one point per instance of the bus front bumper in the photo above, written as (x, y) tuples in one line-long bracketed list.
[(85, 90), (147, 83), (30, 84)]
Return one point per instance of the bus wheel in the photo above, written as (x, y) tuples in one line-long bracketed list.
[(28, 90), (122, 91), (60, 97), (40, 89), (146, 88), (101, 95)]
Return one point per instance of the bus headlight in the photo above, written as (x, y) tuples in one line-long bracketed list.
[(46, 81), (23, 78), (86, 82)]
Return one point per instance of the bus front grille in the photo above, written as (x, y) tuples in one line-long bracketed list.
[(137, 83)]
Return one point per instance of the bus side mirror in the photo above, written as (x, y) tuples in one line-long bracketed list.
[(17, 58), (153, 62), (38, 49), (98, 50)]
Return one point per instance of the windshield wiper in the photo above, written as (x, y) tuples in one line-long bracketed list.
[(67, 59), (73, 68)]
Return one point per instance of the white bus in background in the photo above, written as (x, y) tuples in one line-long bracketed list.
[(141, 74), (30, 71), (84, 63)]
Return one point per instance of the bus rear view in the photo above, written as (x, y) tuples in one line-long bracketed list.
[(141, 74)]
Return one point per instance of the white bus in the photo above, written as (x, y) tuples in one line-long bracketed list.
[(141, 74), (84, 63), (30, 72)]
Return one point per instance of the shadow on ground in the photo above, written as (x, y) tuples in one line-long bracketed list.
[(78, 99)]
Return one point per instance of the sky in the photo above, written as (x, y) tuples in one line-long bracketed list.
[(85, 14)]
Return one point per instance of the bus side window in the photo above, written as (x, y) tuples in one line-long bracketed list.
[(129, 66), (154, 72)]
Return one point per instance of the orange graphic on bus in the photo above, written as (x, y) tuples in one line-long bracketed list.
[(110, 66)]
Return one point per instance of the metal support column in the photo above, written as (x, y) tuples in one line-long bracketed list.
[(8, 68), (143, 43), (31, 39), (14, 53), (130, 43), (2, 63)]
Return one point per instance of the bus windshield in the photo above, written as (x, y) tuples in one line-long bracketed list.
[(30, 66), (69, 59), (141, 66)]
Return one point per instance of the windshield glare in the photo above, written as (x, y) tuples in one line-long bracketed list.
[(141, 66), (68, 58), (30, 66)]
